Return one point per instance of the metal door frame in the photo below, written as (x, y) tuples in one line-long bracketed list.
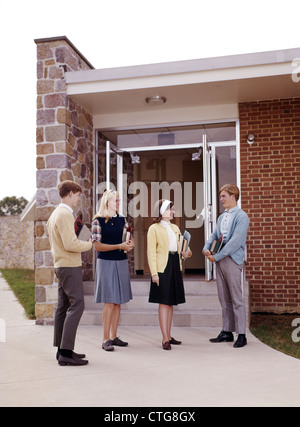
[(211, 192), (209, 178)]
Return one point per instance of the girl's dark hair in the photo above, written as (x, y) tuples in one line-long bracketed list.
[(157, 206)]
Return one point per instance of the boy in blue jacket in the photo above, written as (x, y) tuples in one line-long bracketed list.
[(233, 225)]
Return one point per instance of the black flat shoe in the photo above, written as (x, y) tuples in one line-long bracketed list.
[(223, 337), (108, 346), (78, 355), (63, 361), (166, 346), (241, 341), (75, 355), (117, 341), (175, 342)]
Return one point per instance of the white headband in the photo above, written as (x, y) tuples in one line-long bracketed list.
[(164, 206)]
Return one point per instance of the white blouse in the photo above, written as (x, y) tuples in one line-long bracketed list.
[(171, 235)]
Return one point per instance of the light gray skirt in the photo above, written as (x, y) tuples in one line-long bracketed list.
[(112, 281)]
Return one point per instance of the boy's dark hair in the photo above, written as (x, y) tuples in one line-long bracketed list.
[(65, 187)]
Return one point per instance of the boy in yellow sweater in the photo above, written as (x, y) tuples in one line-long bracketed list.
[(66, 250)]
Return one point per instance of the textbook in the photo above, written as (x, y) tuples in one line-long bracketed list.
[(127, 234), (184, 241), (78, 224), (216, 245), (84, 233)]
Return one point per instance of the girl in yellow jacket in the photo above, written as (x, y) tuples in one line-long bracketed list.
[(164, 259)]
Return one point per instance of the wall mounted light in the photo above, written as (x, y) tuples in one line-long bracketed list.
[(156, 100), (250, 138), (197, 156), (135, 159)]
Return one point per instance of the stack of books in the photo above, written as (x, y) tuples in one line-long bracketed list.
[(184, 241), (216, 245)]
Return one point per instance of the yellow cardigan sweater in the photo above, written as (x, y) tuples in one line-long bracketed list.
[(158, 247), (65, 247)]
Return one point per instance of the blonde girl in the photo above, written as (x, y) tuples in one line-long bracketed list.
[(112, 279)]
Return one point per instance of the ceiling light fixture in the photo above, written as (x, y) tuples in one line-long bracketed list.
[(156, 100)]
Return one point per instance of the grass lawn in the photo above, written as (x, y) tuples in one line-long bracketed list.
[(276, 331), (22, 284)]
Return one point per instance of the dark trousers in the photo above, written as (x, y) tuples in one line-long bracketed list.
[(70, 306)]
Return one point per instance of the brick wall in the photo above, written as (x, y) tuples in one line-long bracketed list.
[(65, 146), (270, 196)]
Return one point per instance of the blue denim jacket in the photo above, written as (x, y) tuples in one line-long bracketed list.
[(236, 239)]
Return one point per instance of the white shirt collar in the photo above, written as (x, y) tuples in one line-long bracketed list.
[(232, 209), (165, 223), (64, 205), (171, 235)]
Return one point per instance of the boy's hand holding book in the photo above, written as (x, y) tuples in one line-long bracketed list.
[(209, 255), (216, 246)]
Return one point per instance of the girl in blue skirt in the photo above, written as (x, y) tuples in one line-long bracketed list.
[(112, 279)]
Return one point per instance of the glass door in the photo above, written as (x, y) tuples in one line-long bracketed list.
[(219, 168), (207, 200), (109, 173), (193, 162)]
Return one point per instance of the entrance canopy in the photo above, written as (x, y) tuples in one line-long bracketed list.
[(200, 83)]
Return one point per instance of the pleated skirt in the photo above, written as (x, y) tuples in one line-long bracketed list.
[(171, 289), (112, 281)]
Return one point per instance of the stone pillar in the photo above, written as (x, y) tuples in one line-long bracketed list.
[(65, 145)]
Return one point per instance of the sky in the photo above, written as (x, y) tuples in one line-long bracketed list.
[(115, 34)]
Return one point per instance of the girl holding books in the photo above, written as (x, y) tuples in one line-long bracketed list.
[(112, 279), (164, 259)]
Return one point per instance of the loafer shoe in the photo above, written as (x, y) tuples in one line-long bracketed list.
[(175, 342), (78, 355), (241, 341), (223, 337), (75, 355), (63, 361), (119, 342), (166, 345), (107, 345)]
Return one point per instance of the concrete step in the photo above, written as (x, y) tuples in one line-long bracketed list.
[(202, 308), (142, 287), (140, 303), (150, 318)]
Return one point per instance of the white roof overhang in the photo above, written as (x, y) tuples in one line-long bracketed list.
[(186, 84)]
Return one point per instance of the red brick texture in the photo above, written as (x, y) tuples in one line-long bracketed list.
[(270, 196)]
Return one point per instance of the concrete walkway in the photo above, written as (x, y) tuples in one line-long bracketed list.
[(195, 374)]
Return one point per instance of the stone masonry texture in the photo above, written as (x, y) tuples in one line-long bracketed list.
[(65, 147), (16, 242)]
